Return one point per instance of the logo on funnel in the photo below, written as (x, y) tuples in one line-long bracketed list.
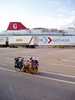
[(15, 26)]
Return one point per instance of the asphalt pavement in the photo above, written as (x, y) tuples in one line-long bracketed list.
[(20, 86), (58, 84)]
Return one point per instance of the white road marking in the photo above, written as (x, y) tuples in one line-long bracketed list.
[(6, 69), (54, 79), (58, 80), (64, 75)]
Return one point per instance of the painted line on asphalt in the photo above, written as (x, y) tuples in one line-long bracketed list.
[(54, 79), (6, 69), (59, 74), (43, 77)]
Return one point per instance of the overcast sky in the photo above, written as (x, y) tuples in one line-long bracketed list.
[(37, 13)]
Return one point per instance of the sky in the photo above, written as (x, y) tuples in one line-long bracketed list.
[(37, 13)]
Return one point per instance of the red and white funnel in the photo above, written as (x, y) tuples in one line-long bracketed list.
[(16, 26)]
